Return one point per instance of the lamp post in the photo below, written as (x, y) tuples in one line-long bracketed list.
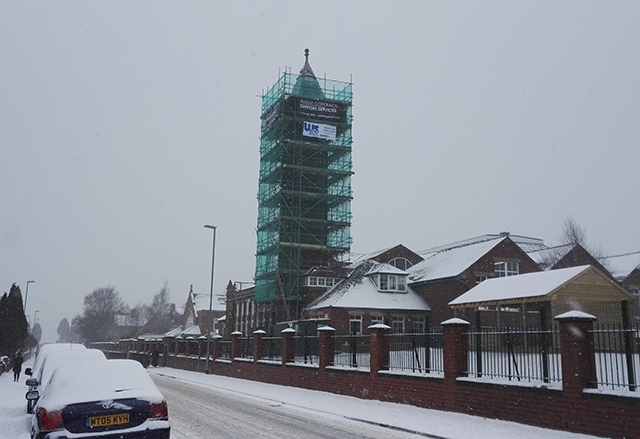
[(26, 295), (210, 321)]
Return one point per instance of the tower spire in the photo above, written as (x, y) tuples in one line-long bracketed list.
[(306, 69)]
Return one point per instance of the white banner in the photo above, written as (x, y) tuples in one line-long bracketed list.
[(319, 131)]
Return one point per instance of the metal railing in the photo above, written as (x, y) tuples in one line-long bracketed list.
[(246, 347), (272, 348), (513, 354), (225, 349), (352, 351), (617, 356), (306, 349), (420, 353)]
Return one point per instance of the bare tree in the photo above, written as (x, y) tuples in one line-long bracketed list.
[(160, 313), (98, 320), (573, 233)]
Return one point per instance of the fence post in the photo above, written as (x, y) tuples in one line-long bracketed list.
[(379, 356), (235, 344), (257, 344), (456, 349), (288, 348), (177, 346), (577, 352), (325, 346)]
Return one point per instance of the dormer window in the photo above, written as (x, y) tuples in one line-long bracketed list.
[(390, 282), (509, 268)]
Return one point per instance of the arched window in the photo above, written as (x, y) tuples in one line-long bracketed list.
[(401, 263)]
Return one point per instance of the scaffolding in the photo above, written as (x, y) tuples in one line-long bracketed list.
[(304, 189)]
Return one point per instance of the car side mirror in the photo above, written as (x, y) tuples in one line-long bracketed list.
[(32, 395), (28, 371), (32, 382)]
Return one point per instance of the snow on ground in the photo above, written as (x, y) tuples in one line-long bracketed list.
[(14, 421), (430, 423)]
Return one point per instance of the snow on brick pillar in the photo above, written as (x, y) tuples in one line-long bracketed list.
[(215, 346), (325, 346), (288, 347), (235, 344), (177, 345), (202, 346), (577, 352), (456, 349), (379, 359), (258, 344)]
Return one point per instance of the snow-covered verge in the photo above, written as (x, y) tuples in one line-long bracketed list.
[(14, 420), (430, 423)]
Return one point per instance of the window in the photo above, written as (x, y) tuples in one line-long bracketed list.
[(376, 319), (401, 263), (397, 325), (316, 281), (355, 324), (504, 269), (391, 282), (419, 325), (480, 278), (636, 295)]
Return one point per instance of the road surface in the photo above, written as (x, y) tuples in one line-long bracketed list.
[(202, 412)]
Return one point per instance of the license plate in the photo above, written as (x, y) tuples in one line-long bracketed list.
[(107, 420)]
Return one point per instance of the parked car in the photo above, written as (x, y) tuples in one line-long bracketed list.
[(107, 399), (51, 363), (45, 350)]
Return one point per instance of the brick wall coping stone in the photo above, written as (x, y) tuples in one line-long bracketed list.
[(326, 328), (379, 326), (236, 333), (259, 331), (575, 315), (217, 336), (286, 330), (455, 321)]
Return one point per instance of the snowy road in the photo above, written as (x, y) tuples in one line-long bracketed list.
[(198, 412)]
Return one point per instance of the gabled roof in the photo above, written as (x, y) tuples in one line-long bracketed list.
[(451, 262), (526, 243), (542, 285), (546, 257), (359, 292), (621, 266)]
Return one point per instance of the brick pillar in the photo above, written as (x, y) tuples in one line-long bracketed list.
[(379, 359), (577, 352), (166, 348), (215, 347), (325, 346), (202, 346), (235, 344), (258, 344), (288, 347), (456, 349)]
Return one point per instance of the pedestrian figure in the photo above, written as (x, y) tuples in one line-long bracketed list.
[(154, 357), (17, 367)]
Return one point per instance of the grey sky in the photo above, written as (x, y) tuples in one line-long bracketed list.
[(127, 126)]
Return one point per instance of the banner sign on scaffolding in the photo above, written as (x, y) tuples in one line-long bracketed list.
[(320, 109), (319, 131)]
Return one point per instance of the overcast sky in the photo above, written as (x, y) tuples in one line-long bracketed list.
[(127, 126)]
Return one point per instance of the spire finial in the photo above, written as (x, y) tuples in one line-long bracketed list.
[(306, 55)]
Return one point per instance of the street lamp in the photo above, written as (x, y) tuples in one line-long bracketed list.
[(26, 295), (210, 322)]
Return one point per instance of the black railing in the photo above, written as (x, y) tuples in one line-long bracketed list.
[(513, 354), (246, 347), (617, 352), (417, 353), (306, 349), (272, 348), (225, 349), (352, 351)]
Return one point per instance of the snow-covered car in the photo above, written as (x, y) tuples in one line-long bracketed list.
[(52, 361), (107, 399), (45, 350)]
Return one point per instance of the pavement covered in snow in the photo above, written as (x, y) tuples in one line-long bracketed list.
[(14, 421)]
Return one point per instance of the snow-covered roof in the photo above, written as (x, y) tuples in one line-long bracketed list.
[(526, 243), (359, 291), (546, 257), (174, 332), (620, 266), (359, 258), (451, 262), (193, 330), (201, 302), (386, 269), (529, 285)]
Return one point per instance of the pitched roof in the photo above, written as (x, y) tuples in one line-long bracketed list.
[(452, 261), (359, 291), (620, 266), (528, 286)]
